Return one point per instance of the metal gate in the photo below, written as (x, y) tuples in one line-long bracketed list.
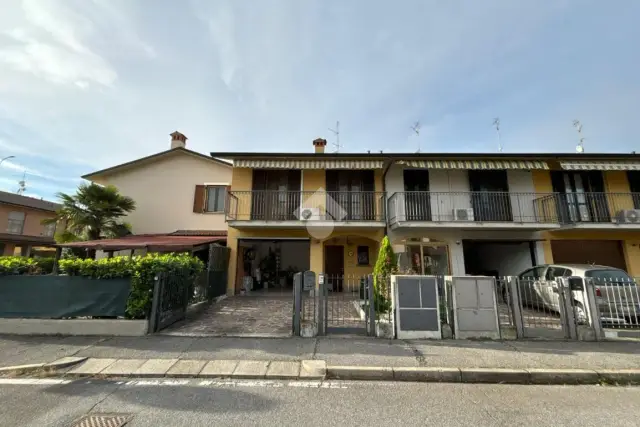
[(347, 305), (171, 296), (539, 308)]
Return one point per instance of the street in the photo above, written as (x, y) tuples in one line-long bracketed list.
[(197, 402)]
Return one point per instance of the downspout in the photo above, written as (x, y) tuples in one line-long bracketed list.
[(386, 166)]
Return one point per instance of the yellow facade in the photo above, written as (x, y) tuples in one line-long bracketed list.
[(616, 182), (348, 237)]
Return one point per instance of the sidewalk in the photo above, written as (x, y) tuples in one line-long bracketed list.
[(20, 350)]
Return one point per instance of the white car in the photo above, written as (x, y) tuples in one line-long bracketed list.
[(617, 295)]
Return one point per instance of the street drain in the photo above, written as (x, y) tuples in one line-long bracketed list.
[(102, 420)]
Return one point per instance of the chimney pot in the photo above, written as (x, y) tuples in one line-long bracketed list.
[(319, 144), (178, 140)]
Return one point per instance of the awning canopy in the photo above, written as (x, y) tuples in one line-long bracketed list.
[(475, 164), (596, 165), (154, 242), (308, 164)]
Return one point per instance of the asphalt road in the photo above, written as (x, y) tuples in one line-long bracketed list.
[(269, 403)]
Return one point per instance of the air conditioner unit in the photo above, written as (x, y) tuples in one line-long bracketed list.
[(309, 214), (463, 214), (629, 216)]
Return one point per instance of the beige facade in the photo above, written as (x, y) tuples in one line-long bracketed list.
[(32, 231), (164, 189)]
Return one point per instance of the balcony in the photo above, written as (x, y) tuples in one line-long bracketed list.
[(593, 210), (300, 208), (488, 209)]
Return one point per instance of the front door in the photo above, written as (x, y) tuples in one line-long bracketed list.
[(334, 266)]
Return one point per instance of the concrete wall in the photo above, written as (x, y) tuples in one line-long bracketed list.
[(164, 193), (521, 185), (102, 327)]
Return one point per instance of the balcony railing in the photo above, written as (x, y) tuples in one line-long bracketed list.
[(485, 206), (576, 208), (472, 206), (273, 205)]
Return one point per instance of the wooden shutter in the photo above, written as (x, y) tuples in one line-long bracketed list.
[(199, 199)]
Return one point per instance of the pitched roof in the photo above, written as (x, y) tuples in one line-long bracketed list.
[(29, 202), (153, 158)]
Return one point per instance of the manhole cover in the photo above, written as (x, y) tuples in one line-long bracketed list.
[(102, 420)]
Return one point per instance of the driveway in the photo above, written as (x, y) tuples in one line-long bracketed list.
[(244, 315)]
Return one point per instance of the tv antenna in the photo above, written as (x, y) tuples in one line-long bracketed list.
[(416, 128), (580, 146), (22, 185), (336, 132), (496, 123)]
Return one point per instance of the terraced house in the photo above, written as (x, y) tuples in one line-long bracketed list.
[(291, 212), (500, 214), (490, 214)]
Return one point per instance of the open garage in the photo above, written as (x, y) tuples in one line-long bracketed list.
[(601, 252), (497, 258)]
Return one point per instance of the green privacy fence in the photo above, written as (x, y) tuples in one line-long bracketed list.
[(54, 297)]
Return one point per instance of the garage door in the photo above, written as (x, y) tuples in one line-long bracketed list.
[(603, 252)]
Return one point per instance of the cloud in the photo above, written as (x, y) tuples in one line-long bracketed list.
[(87, 84)]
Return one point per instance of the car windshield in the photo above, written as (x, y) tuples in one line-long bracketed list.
[(610, 276)]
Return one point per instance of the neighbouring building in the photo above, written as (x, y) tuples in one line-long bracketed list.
[(22, 231), (176, 191), (290, 212), (498, 214)]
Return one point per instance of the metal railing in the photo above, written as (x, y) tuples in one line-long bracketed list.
[(571, 208), (273, 205), (498, 206), (471, 206)]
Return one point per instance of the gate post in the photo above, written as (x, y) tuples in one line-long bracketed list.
[(297, 302), (322, 304), (567, 315), (155, 306), (516, 306), (371, 325), (593, 311)]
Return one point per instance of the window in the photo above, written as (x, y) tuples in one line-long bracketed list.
[(611, 277), (215, 199), (16, 222), (363, 255), (49, 230), (554, 272), (535, 273)]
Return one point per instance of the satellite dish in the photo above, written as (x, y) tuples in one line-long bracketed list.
[(579, 149)]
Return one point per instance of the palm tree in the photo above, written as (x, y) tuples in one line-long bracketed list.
[(92, 213)]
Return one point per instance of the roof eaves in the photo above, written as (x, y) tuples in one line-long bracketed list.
[(155, 156)]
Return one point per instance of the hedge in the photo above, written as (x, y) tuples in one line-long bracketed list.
[(141, 269), (18, 265)]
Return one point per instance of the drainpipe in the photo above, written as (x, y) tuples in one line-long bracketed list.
[(385, 169)]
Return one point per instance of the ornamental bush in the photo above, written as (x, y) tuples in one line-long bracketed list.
[(16, 265), (384, 268)]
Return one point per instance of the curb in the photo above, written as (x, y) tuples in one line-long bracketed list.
[(65, 362), (486, 375)]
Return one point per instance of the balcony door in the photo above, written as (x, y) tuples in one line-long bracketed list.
[(350, 195), (634, 187), (490, 195), (276, 195), (417, 200), (582, 196)]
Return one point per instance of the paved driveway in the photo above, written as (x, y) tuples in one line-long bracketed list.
[(243, 315)]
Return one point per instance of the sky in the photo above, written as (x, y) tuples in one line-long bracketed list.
[(89, 84)]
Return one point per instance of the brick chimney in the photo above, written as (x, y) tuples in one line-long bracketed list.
[(178, 140), (319, 144)]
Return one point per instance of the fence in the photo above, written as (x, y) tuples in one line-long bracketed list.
[(55, 297)]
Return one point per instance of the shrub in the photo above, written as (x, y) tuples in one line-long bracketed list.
[(142, 270), (12, 265), (17, 265), (382, 271)]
